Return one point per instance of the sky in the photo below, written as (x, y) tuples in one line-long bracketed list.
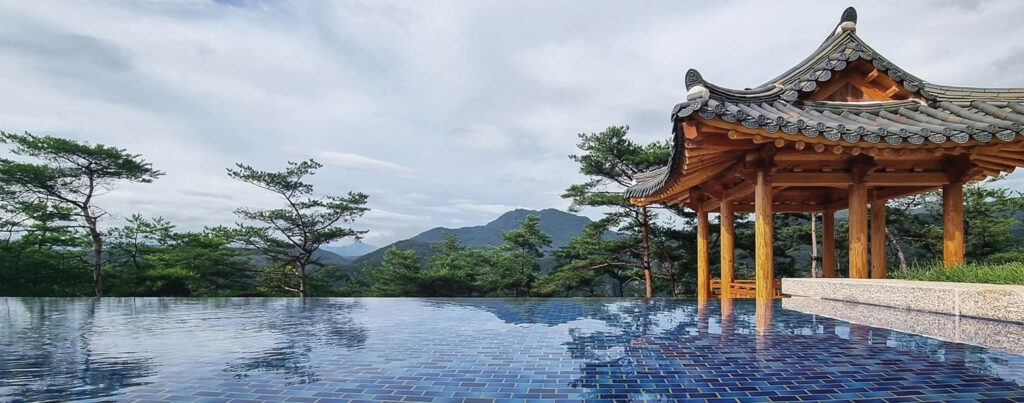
[(446, 113)]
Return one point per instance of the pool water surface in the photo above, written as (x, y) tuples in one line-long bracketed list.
[(474, 350)]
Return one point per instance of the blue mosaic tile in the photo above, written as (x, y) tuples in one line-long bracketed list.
[(475, 350)]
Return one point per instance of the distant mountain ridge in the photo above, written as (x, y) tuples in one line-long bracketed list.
[(352, 250), (560, 225)]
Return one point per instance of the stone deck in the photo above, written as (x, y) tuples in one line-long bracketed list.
[(987, 301)]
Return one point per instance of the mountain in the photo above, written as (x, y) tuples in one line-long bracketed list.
[(560, 225), (353, 250), (328, 257)]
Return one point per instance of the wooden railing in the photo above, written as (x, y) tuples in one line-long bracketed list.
[(744, 288)]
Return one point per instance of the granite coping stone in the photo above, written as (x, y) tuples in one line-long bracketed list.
[(988, 301)]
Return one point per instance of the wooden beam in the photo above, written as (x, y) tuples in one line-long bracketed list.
[(727, 242), (904, 191), (720, 141), (741, 190), (892, 90), (783, 208), (828, 243), (1014, 155), (690, 130), (953, 224), (845, 179), (735, 135), (703, 263), (763, 261), (1000, 159), (923, 149), (827, 179), (994, 166), (858, 206), (871, 75), (878, 261), (907, 178)]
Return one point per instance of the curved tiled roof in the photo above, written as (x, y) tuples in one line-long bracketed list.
[(935, 115)]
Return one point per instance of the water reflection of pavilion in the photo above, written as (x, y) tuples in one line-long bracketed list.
[(736, 349)]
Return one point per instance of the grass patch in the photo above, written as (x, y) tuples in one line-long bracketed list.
[(990, 273)]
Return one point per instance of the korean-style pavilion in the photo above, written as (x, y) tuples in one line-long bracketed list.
[(843, 129)]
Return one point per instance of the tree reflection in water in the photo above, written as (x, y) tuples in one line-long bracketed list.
[(47, 354), (449, 349), (302, 325)]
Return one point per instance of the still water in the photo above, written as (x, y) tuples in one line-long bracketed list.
[(474, 350)]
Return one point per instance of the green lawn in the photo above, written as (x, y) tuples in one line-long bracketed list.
[(991, 273)]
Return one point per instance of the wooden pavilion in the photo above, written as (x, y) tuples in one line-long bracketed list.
[(844, 129)]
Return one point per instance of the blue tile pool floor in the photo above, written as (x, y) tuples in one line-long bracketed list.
[(474, 350)]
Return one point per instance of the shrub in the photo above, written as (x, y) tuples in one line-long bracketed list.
[(991, 273)]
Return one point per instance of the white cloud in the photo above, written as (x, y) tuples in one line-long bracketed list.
[(362, 163), (383, 215), (483, 137), (471, 206), (444, 113)]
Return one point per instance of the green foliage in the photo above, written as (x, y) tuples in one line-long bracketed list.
[(457, 271), (611, 156), (524, 246), (398, 275), (66, 177), (69, 170), (289, 236), (991, 273), (49, 236), (610, 160), (32, 269), (584, 260), (146, 257), (991, 214)]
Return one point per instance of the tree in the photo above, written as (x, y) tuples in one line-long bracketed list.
[(215, 268), (591, 255), (131, 243), (991, 215), (40, 253), (610, 160), (399, 274), (72, 174), (526, 244), (455, 269), (290, 235)]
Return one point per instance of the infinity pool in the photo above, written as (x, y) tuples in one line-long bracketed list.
[(474, 350)]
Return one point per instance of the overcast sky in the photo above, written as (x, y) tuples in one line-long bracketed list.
[(445, 113)]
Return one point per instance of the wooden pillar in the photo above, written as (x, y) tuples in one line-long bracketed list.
[(878, 262), (858, 229), (953, 224), (703, 263), (727, 242), (763, 256), (828, 244)]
